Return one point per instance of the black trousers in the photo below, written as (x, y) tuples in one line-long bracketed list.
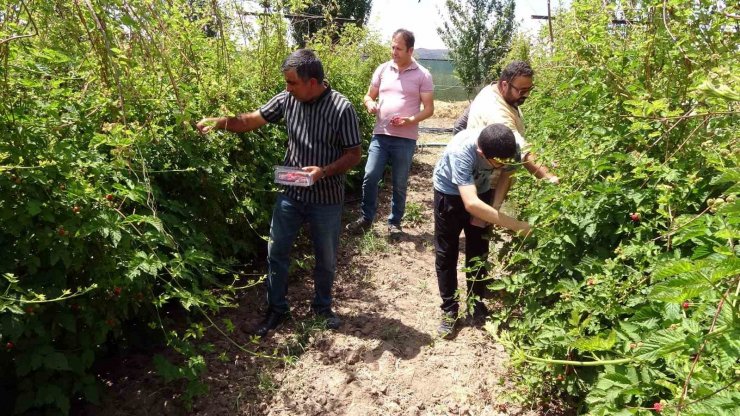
[(450, 218)]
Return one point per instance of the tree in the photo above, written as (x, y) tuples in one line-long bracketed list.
[(519, 50), (478, 35), (322, 13)]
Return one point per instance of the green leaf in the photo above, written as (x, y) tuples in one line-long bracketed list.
[(56, 361), (602, 342), (11, 278), (33, 207), (674, 268), (723, 250), (87, 358), (36, 361), (618, 379), (89, 387), (229, 325), (166, 369), (67, 321), (128, 21), (569, 240), (661, 344), (728, 349), (148, 219), (701, 252)]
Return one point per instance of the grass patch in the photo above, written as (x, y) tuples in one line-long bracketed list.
[(372, 243)]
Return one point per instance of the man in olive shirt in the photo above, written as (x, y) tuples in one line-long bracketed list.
[(499, 103)]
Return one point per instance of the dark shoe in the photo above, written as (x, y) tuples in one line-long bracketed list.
[(446, 328), (271, 321), (359, 225), (331, 320), (480, 313), (394, 231)]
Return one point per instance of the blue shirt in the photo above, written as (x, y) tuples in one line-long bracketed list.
[(461, 165)]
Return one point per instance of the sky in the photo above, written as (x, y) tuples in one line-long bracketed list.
[(424, 16)]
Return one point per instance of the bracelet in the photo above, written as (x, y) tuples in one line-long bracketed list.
[(323, 172)]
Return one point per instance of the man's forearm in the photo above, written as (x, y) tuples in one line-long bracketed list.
[(349, 159), (501, 190), (487, 213), (369, 99), (423, 114), (538, 170), (241, 123)]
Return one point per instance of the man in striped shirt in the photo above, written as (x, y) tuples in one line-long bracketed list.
[(323, 140)]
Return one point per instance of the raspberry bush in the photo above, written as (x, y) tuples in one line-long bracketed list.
[(114, 213), (626, 300)]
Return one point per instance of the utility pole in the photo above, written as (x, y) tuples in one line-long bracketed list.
[(549, 24)]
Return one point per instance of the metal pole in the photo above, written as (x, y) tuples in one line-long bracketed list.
[(549, 24)]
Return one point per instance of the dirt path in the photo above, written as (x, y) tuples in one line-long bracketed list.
[(385, 359)]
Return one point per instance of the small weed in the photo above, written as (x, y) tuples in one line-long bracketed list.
[(305, 332), (414, 214), (266, 383), (305, 263)]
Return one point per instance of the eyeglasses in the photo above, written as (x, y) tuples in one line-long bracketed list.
[(521, 91), (496, 163)]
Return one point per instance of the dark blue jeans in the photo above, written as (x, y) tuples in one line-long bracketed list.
[(288, 216), (399, 152)]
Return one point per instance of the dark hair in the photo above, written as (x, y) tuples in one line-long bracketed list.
[(306, 65), (497, 140), (516, 69), (407, 35)]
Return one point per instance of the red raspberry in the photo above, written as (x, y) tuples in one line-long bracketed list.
[(658, 407)]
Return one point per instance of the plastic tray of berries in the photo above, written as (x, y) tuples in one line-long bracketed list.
[(292, 176)]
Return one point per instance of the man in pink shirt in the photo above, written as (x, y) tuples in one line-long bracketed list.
[(398, 90)]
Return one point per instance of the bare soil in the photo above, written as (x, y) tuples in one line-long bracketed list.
[(385, 359)]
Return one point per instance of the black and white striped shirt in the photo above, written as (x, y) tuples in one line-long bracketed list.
[(318, 133)]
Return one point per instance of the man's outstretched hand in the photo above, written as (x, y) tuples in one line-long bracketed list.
[(207, 124), (525, 232)]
